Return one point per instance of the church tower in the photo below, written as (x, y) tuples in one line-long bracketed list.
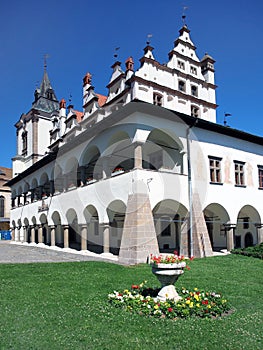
[(32, 129)]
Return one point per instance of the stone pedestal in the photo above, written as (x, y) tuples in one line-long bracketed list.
[(200, 237), (139, 236)]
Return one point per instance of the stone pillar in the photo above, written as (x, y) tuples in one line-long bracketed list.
[(259, 233), (25, 234), (83, 179), (33, 239), (66, 234), (230, 231), (40, 234), (106, 238), (13, 233), (53, 235), (84, 234), (138, 156), (16, 234)]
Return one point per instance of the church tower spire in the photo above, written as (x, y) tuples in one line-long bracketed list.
[(45, 97)]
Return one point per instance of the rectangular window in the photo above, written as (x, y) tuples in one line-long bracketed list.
[(180, 64), (181, 85), (194, 90), (157, 99), (239, 173), (260, 176), (194, 111), (193, 70), (215, 170)]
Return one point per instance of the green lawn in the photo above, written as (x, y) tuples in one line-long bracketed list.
[(65, 306)]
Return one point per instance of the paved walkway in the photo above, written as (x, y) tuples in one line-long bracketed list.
[(13, 253)]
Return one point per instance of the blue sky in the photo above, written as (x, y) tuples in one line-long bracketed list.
[(81, 36)]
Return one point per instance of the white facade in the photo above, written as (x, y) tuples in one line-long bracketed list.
[(154, 137)]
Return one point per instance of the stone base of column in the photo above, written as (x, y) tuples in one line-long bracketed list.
[(139, 236)]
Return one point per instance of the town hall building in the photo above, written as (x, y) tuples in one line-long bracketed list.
[(145, 169)]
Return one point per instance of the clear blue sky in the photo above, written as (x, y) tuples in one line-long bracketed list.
[(81, 35)]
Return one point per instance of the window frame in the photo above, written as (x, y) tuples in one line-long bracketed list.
[(239, 171), (260, 177), (181, 85), (2, 206), (197, 111), (194, 90), (157, 99), (215, 170)]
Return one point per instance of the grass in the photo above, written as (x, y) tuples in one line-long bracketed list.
[(65, 306)]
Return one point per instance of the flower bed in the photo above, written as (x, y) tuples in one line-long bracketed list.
[(142, 299)]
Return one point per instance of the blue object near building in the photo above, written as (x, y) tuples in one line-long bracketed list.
[(5, 235)]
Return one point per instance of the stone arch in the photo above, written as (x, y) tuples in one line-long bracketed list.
[(45, 230), (59, 239), (90, 169), (74, 237), (169, 216), (247, 219), (94, 237), (163, 151), (116, 212), (215, 217), (71, 173), (121, 152)]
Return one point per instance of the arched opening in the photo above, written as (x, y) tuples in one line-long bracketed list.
[(45, 229), (74, 240), (169, 216), (90, 169), (59, 238), (116, 213), (162, 152), (44, 187), (94, 236), (247, 219), (215, 217), (71, 174)]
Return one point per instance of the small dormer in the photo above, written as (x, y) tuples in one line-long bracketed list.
[(208, 70), (117, 81)]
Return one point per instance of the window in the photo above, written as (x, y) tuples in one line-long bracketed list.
[(157, 99), (193, 70), (165, 226), (180, 64), (2, 206), (215, 169), (260, 176), (194, 111), (246, 223), (194, 90), (181, 85), (24, 142), (239, 173)]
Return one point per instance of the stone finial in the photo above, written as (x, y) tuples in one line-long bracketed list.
[(62, 103), (87, 79), (129, 63)]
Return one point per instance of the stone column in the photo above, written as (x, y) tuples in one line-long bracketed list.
[(17, 233), (230, 230), (259, 233), (13, 233), (66, 234), (84, 234), (40, 234), (33, 239), (106, 237), (138, 156), (22, 231), (25, 234), (53, 235)]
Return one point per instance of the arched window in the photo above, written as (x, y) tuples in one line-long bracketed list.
[(24, 143), (2, 206)]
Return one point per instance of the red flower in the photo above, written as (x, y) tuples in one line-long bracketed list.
[(204, 302), (134, 286), (170, 309)]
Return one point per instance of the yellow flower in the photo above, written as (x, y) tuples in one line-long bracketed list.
[(195, 289), (156, 307), (191, 304), (196, 297), (188, 302), (209, 306), (197, 305)]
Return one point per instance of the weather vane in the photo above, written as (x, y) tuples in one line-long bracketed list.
[(184, 15), (226, 115), (116, 53), (46, 56), (148, 39)]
